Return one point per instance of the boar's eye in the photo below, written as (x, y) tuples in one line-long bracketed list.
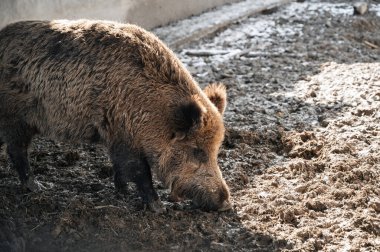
[(200, 155)]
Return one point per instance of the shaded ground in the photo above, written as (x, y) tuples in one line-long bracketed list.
[(301, 153)]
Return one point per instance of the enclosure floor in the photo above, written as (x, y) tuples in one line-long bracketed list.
[(301, 153)]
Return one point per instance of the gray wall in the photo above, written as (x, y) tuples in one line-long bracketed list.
[(146, 13)]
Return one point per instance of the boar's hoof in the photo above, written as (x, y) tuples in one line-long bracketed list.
[(33, 185), (225, 206), (156, 207)]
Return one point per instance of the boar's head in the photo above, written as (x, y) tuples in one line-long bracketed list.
[(191, 162)]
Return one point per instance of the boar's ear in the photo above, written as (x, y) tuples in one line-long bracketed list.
[(216, 92), (187, 117)]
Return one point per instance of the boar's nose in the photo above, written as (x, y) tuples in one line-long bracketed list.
[(226, 205)]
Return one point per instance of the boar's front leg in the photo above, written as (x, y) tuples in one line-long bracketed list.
[(131, 166), (17, 136)]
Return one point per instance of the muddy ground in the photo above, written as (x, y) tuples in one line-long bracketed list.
[(301, 154)]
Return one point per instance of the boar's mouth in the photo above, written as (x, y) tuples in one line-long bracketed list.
[(208, 200)]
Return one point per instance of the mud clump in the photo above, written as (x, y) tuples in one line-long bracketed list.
[(234, 137), (316, 205), (270, 138), (288, 216), (302, 144)]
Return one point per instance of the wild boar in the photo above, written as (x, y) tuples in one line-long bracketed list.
[(117, 84)]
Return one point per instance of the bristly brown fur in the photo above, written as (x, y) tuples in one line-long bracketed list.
[(98, 80)]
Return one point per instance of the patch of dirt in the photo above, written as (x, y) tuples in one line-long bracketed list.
[(301, 152), (303, 145)]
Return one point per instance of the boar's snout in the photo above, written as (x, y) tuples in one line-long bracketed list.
[(227, 205), (213, 198), (209, 194)]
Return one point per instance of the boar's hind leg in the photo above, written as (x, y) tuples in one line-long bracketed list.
[(18, 137), (133, 167)]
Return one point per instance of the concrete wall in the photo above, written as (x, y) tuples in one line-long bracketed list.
[(146, 13)]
